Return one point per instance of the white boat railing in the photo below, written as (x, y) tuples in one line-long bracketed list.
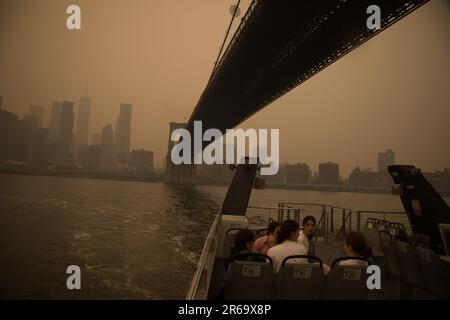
[(198, 289)]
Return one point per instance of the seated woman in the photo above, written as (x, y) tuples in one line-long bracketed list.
[(263, 244), (355, 245), (243, 243), (287, 245)]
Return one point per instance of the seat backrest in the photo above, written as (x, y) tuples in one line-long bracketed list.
[(392, 257), (437, 273), (228, 241), (397, 229), (370, 231), (346, 282), (370, 224), (297, 281), (410, 259), (249, 280)]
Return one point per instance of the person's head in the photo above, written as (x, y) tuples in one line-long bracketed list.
[(244, 241), (289, 230), (355, 244), (272, 229), (309, 225)]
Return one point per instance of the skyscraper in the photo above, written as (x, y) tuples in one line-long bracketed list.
[(123, 133), (90, 157), (25, 138), (298, 173), (329, 173), (83, 122), (8, 135), (385, 159), (41, 150), (54, 124), (107, 148), (66, 127), (96, 139), (38, 112)]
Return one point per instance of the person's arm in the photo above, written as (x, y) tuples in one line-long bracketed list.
[(258, 245)]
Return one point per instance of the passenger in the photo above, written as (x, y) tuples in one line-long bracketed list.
[(243, 243), (307, 233), (287, 245), (263, 244), (355, 245)]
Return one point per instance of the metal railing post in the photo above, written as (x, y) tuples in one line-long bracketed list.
[(350, 220), (343, 221), (332, 220), (297, 215), (323, 222), (358, 220)]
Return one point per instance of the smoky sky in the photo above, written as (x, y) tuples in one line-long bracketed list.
[(392, 92)]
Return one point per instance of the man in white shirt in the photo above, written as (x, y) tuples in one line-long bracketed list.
[(288, 245)]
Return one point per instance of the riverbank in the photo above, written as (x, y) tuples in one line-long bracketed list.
[(132, 176)]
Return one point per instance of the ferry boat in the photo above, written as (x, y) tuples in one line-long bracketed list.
[(414, 263)]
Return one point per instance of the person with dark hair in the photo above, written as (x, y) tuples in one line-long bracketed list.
[(243, 243), (307, 233), (263, 244), (355, 245), (287, 245)]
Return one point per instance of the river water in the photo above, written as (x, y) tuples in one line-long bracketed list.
[(132, 240)]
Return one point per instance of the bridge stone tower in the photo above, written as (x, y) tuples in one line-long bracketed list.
[(177, 174)]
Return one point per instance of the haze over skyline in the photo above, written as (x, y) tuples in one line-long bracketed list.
[(391, 93)]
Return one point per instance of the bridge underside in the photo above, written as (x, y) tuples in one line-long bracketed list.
[(280, 44)]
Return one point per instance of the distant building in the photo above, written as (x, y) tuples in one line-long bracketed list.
[(329, 173), (141, 160), (298, 173), (41, 147), (364, 178), (66, 127), (38, 112), (96, 139), (440, 180), (385, 159), (83, 123), (123, 133), (55, 122), (279, 177), (107, 155), (25, 136), (315, 178), (8, 135), (90, 157)]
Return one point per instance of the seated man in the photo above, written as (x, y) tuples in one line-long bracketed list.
[(263, 244), (287, 245)]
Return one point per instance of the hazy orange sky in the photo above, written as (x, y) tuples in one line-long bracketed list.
[(392, 92)]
